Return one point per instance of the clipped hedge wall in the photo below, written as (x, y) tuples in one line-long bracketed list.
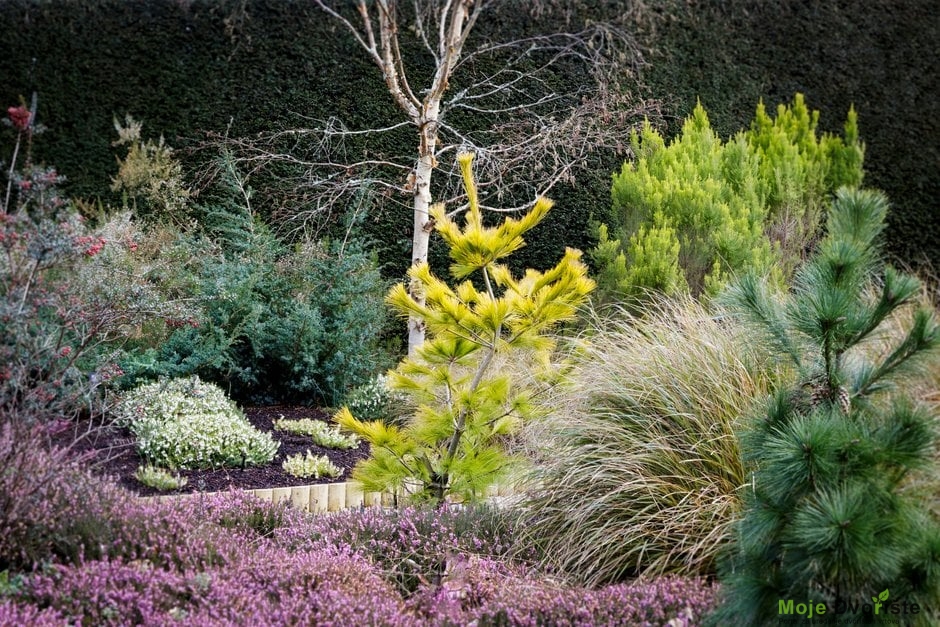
[(189, 66), (186, 67)]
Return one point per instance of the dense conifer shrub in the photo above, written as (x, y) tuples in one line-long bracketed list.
[(696, 211), (830, 513), (301, 323)]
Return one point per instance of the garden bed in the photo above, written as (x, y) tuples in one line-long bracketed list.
[(115, 455)]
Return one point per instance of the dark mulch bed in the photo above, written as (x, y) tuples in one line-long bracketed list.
[(113, 454)]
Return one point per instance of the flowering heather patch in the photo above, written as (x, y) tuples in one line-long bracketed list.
[(14, 615), (490, 592), (266, 586), (410, 545), (49, 507), (231, 559), (171, 535)]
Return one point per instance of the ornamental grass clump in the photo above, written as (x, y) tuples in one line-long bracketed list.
[(320, 432), (833, 511), (187, 423), (637, 468), (467, 408)]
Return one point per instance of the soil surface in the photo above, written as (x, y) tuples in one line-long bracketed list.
[(114, 454)]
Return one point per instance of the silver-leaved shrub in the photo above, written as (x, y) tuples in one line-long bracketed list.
[(310, 465), (321, 433), (188, 423)]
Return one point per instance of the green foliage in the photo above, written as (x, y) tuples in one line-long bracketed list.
[(149, 176), (69, 294), (637, 469), (186, 423), (723, 54), (829, 511), (375, 401), (10, 586), (278, 323), (798, 171), (688, 213), (320, 432), (466, 405), (695, 212), (310, 465), (159, 478)]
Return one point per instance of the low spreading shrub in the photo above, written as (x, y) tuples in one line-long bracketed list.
[(309, 465), (278, 322), (638, 468), (320, 432), (410, 545), (487, 592), (159, 478), (187, 423), (232, 559), (17, 615), (266, 586)]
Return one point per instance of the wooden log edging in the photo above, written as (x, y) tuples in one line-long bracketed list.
[(321, 498)]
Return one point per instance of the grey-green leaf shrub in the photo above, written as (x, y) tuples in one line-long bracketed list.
[(188, 423)]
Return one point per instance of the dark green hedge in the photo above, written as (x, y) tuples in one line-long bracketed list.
[(878, 54), (185, 67)]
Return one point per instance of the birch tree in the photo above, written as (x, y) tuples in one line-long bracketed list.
[(535, 136)]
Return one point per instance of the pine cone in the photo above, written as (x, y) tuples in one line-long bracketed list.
[(820, 392)]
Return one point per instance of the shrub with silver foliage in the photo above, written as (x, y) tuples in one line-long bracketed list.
[(311, 465), (187, 423), (320, 432)]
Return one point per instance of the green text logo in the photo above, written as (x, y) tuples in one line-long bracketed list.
[(881, 598)]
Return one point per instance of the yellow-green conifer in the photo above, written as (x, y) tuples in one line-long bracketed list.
[(465, 406)]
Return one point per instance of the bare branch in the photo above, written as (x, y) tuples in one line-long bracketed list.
[(421, 28), (367, 43), (529, 130)]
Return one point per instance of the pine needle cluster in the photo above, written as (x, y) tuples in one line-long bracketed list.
[(829, 515)]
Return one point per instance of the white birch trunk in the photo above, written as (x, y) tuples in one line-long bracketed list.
[(455, 20), (422, 225)]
